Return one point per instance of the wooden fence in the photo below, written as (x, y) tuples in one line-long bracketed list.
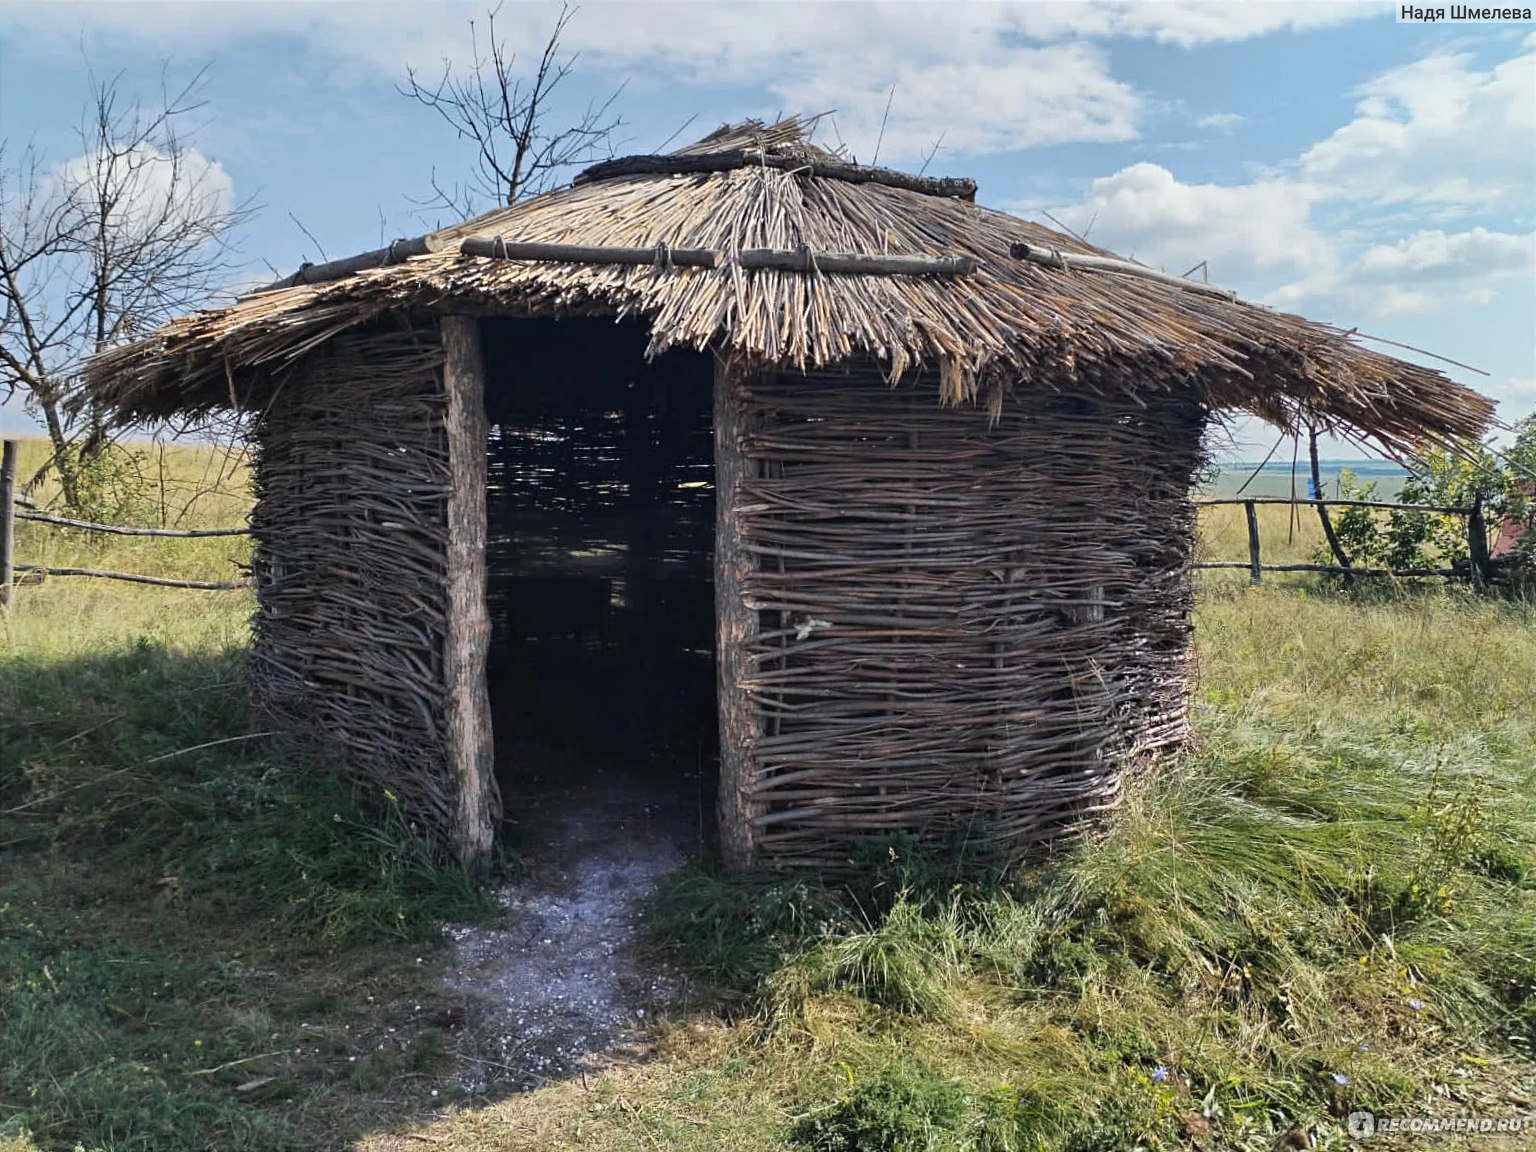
[(13, 508), (1477, 571)]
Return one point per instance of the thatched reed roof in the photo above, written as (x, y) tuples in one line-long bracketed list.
[(765, 186)]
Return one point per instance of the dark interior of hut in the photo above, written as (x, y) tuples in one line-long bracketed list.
[(600, 510)]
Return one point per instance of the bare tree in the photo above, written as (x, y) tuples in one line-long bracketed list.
[(505, 117), (101, 249)]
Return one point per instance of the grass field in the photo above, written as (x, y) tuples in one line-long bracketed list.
[(206, 941)]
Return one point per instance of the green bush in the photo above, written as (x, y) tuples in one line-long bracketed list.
[(902, 1109), (1413, 538)]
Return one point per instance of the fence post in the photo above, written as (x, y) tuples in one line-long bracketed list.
[(1256, 574), (1322, 509), (1477, 545), (7, 523)]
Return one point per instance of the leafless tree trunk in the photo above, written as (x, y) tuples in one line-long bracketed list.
[(101, 249), (517, 154)]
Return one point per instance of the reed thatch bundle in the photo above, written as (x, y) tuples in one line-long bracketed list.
[(755, 186)]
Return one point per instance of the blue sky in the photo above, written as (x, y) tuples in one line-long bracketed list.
[(1320, 157)]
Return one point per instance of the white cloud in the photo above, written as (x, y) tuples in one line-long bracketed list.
[(1242, 231), (1427, 272), (1019, 99), (989, 76), (147, 188), (1192, 22), (1220, 121), (1431, 135), (1437, 131), (1434, 255)]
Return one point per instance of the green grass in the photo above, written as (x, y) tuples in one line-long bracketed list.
[(1340, 882), (199, 930), (207, 944)]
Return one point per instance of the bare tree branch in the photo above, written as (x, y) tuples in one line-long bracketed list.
[(310, 236), (134, 230), (505, 118)]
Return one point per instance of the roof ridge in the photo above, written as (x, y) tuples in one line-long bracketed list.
[(805, 160)]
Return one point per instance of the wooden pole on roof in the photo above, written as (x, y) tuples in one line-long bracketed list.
[(470, 749), (736, 625)]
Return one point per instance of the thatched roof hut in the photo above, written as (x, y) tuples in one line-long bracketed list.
[(934, 460)]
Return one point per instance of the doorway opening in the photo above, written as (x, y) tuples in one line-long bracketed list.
[(600, 541)]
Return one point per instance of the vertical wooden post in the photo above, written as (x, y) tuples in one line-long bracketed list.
[(1322, 509), (1478, 563), (736, 625), (7, 522), (1256, 569), (470, 752)]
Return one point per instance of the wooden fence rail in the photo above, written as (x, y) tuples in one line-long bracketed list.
[(137, 578), (120, 530), (1477, 570), (15, 507)]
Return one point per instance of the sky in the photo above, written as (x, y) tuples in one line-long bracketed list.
[(1319, 157)]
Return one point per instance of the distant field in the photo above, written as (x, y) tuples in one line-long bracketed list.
[(1276, 479)]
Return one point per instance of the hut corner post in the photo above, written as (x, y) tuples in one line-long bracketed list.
[(735, 623), (470, 758)]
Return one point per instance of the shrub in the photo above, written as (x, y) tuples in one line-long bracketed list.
[(902, 1109), (1413, 538)]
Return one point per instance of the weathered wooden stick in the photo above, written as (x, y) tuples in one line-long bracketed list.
[(1390, 505), (958, 187), (7, 521), (494, 247), (801, 260), (736, 625), (396, 252), (137, 578), (470, 753), (1334, 568), (1051, 258), (1257, 576), (1322, 509), (119, 530), (1477, 545)]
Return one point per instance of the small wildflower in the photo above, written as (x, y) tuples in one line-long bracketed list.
[(1340, 1079), (197, 1043), (1415, 1003), (1160, 1074)]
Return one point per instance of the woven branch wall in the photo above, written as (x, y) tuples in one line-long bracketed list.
[(351, 483), (958, 627)]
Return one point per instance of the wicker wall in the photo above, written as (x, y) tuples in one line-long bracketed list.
[(957, 627), (951, 626), (352, 478)]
